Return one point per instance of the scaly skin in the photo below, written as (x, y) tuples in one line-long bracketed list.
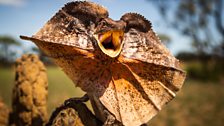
[(133, 85)]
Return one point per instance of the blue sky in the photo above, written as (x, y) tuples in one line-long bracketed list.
[(26, 17)]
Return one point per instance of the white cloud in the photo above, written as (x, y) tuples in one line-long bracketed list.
[(16, 3)]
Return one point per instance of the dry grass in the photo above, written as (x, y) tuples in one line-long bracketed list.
[(197, 104)]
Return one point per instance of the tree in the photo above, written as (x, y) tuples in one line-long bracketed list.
[(5, 43), (42, 56), (201, 20)]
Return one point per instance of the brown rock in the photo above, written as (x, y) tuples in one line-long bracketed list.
[(29, 93), (4, 112)]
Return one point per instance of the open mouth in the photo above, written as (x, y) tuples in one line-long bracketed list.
[(110, 42)]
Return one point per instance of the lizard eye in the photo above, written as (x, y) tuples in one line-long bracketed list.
[(103, 22)]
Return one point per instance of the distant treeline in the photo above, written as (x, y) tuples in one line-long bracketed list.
[(203, 67), (188, 56)]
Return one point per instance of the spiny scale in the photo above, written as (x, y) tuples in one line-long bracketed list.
[(135, 85)]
